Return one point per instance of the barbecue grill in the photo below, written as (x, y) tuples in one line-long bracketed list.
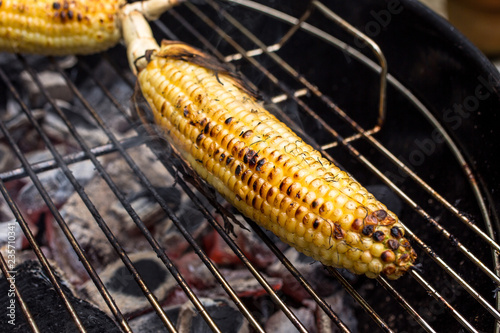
[(410, 113)]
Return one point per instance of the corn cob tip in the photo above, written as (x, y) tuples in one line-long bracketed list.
[(265, 170)]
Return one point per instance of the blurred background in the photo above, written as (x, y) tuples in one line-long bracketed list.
[(479, 20)]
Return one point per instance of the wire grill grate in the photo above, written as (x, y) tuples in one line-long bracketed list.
[(216, 29)]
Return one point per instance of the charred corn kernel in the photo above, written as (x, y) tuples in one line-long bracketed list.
[(267, 159), (61, 27)]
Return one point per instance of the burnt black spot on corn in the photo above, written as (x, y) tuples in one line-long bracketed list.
[(281, 183), (260, 164), (368, 230), (378, 236)]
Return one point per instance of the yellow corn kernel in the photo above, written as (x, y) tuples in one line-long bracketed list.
[(308, 205), (377, 249)]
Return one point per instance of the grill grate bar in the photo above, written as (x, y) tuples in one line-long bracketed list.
[(321, 302), (375, 50), (301, 79), (283, 97), (251, 53), (69, 159), (160, 200), (102, 224), (402, 301), (23, 224), (454, 275), (185, 23), (353, 292), (7, 274), (441, 299)]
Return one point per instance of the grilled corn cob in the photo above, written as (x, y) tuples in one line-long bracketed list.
[(265, 170), (61, 27)]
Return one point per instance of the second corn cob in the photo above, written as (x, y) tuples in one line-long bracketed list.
[(61, 27), (261, 167)]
